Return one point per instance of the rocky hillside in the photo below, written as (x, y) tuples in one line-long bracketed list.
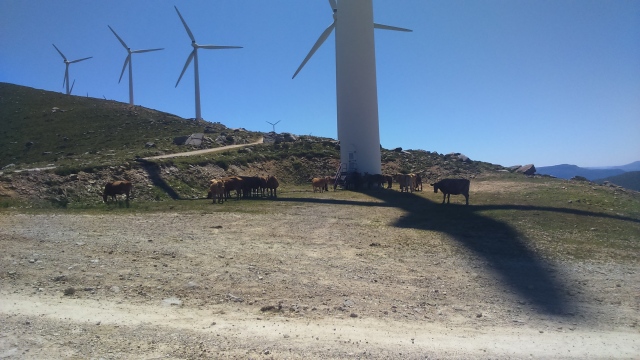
[(85, 142)]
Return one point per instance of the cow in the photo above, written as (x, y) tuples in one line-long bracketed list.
[(250, 185), (117, 188), (216, 190), (330, 180), (417, 183), (272, 185), (389, 180), (405, 182), (452, 187), (232, 183), (319, 184)]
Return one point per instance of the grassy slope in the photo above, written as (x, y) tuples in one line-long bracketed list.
[(89, 132)]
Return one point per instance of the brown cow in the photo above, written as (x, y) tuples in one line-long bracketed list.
[(452, 187), (232, 183), (216, 190), (272, 185), (405, 181), (117, 188), (319, 184)]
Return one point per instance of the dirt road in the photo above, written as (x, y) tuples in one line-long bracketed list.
[(320, 277), (204, 151)]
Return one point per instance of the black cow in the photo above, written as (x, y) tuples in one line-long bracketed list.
[(452, 187)]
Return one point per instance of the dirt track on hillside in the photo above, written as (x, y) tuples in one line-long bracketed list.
[(205, 151), (310, 278)]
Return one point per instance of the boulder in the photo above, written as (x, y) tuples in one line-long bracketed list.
[(527, 169)]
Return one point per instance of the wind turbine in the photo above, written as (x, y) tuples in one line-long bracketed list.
[(194, 56), (66, 71), (356, 87), (127, 61), (274, 125)]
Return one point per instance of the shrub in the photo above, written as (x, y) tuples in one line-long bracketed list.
[(224, 164)]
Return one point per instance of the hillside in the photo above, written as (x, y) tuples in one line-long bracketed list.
[(566, 171), (39, 128), (89, 141), (629, 180)]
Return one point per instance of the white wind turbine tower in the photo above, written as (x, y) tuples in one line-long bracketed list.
[(66, 71), (127, 61), (356, 87), (194, 56)]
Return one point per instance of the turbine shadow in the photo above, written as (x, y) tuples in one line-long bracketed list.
[(156, 178), (502, 248)]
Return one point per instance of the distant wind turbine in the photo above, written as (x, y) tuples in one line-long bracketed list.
[(127, 61), (66, 71), (274, 125), (356, 88), (194, 56)]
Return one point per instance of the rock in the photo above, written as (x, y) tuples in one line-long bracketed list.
[(234, 298), (60, 278), (115, 289), (527, 169), (192, 285), (348, 303), (150, 145), (353, 315), (172, 301), (69, 291)]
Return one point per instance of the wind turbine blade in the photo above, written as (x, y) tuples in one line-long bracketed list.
[(219, 47), (144, 51), (186, 65), (71, 90), (387, 27), (319, 42), (75, 61), (59, 52), (119, 38), (277, 122), (126, 62), (185, 25), (66, 75), (333, 4)]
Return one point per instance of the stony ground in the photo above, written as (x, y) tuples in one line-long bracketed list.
[(318, 276)]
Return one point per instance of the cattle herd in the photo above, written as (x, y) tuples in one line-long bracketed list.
[(244, 186), (266, 186)]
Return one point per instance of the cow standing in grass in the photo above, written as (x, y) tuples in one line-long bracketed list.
[(272, 185), (452, 187), (319, 184), (216, 191), (116, 188)]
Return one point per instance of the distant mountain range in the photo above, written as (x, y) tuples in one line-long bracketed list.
[(566, 171)]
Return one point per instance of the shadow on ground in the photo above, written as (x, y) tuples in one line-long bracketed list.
[(156, 178), (503, 249)]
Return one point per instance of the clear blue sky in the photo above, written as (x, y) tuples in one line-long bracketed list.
[(507, 82)]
